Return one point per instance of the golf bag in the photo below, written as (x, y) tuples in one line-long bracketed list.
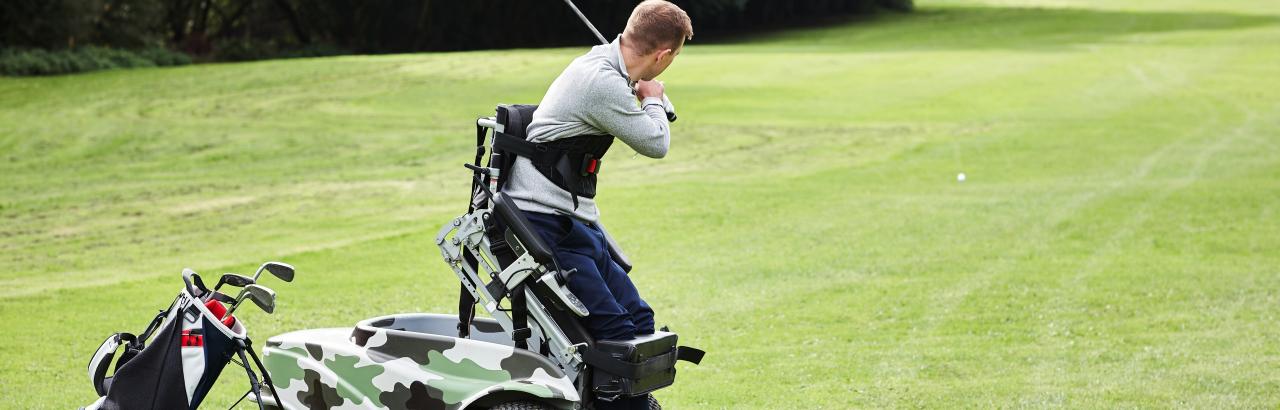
[(175, 369)]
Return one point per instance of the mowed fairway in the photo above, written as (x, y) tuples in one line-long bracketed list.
[(1116, 243)]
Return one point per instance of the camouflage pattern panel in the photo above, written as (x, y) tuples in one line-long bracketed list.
[(393, 363)]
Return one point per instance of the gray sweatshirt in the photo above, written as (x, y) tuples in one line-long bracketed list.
[(592, 96)]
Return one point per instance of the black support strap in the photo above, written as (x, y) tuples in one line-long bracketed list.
[(534, 152), (466, 312), (690, 354), (520, 317), (570, 163), (480, 133)]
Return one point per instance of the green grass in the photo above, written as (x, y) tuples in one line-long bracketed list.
[(1114, 245)]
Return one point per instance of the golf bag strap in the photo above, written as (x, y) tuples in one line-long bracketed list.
[(609, 364), (102, 360), (155, 323)]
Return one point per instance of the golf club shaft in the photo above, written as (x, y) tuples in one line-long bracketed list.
[(239, 299), (258, 273), (666, 102), (584, 19)]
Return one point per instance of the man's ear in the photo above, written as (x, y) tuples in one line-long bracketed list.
[(661, 54)]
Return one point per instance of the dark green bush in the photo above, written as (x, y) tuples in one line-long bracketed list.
[(250, 50), (243, 50), (16, 62), (63, 63), (897, 5), (164, 57), (106, 58), (313, 50)]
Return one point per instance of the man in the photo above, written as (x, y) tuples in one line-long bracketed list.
[(606, 94)]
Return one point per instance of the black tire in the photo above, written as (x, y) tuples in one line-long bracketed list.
[(653, 404), (520, 405)]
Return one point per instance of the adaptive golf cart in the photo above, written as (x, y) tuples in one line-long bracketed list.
[(532, 353)]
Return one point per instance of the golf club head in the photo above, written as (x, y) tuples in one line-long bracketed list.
[(262, 296), (281, 270), (234, 279)]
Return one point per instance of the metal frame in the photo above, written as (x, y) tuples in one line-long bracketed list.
[(463, 240)]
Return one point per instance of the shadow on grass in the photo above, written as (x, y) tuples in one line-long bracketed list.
[(961, 28)]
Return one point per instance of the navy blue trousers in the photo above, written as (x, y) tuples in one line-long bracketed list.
[(615, 308)]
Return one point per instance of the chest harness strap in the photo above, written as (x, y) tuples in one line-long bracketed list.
[(570, 163)]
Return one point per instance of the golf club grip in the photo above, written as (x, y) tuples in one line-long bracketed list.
[(666, 102), (669, 107)]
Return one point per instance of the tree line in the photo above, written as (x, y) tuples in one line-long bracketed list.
[(250, 29)]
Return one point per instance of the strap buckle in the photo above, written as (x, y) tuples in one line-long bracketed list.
[(590, 164)]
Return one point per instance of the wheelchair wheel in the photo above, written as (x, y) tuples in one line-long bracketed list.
[(520, 405), (653, 403)]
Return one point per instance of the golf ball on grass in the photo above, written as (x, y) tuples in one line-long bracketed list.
[(960, 177)]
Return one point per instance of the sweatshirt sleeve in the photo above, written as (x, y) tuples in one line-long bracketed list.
[(644, 128)]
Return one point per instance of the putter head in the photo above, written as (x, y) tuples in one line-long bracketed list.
[(234, 279), (262, 296), (281, 270)]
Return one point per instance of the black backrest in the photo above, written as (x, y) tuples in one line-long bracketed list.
[(515, 118)]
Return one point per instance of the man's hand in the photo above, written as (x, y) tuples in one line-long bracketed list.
[(646, 89)]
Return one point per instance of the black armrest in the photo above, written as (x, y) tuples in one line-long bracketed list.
[(519, 225)]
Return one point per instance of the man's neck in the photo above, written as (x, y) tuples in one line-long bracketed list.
[(633, 61)]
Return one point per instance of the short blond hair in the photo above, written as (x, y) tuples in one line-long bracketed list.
[(657, 24)]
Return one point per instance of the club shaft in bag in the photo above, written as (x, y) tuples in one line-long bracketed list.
[(666, 102)]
